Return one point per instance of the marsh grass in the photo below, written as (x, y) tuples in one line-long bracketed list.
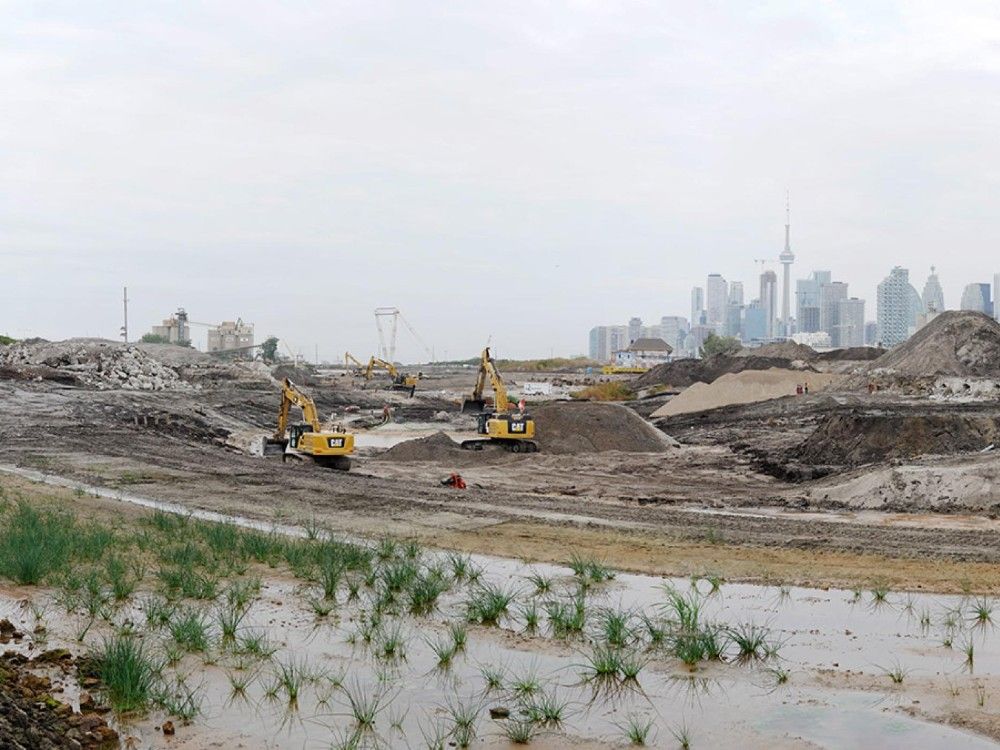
[(895, 672), (638, 729), (493, 677), (190, 630), (488, 604), (520, 731), (982, 611), (546, 709), (179, 699), (463, 716), (291, 676), (590, 569), (366, 703), (541, 584), (751, 641), (444, 651), (128, 672)]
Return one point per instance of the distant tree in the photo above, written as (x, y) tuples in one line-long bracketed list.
[(154, 338), (6, 340), (720, 345), (269, 349)]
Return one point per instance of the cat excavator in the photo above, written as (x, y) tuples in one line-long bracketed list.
[(513, 430), (400, 380), (308, 439)]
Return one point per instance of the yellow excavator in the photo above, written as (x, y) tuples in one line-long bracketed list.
[(330, 448), (400, 380), (358, 367), (513, 430)]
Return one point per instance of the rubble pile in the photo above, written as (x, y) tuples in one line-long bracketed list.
[(90, 363)]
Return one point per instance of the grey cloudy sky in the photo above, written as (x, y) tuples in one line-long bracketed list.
[(520, 170)]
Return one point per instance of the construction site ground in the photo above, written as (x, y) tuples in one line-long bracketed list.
[(735, 497)]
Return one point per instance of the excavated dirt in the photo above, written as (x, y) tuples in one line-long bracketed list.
[(959, 343), (851, 354), (436, 447), (684, 372), (588, 427), (783, 350), (862, 436)]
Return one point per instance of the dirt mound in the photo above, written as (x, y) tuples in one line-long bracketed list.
[(782, 349), (684, 372), (960, 343), (745, 387), (93, 363), (590, 427), (851, 354), (431, 448), (964, 485), (861, 437)]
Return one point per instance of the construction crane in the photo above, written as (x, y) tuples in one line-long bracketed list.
[(329, 448), (514, 431), (387, 333)]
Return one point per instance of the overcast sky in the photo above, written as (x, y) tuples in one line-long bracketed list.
[(517, 170)]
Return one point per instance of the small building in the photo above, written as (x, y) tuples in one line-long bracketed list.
[(644, 352), (175, 329), (231, 336)]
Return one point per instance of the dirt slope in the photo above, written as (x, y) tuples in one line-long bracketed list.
[(958, 342)]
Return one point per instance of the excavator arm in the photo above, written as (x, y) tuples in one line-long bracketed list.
[(487, 371), (292, 396)]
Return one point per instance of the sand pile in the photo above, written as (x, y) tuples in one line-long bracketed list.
[(965, 485), (782, 349), (747, 387), (860, 437), (431, 448), (684, 372), (961, 343), (591, 427), (93, 363)]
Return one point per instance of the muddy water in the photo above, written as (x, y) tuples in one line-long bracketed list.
[(837, 646), (723, 705)]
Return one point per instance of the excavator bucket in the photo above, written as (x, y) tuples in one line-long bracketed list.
[(273, 447), (473, 406)]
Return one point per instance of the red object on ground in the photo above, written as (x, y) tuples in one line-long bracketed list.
[(454, 481)]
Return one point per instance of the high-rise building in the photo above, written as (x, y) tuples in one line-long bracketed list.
[(716, 297), (754, 322), (897, 307), (933, 296), (807, 301), (830, 295), (634, 329), (850, 330), (787, 257), (736, 293), (977, 297), (871, 333), (769, 302), (697, 306), (606, 340), (673, 328)]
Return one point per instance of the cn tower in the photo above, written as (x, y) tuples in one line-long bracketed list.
[(787, 257)]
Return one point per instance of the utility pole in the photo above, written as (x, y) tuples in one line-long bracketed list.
[(316, 353), (124, 332)]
